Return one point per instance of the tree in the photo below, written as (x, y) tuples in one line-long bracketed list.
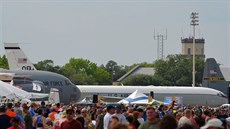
[(140, 80), (115, 70), (48, 65), (176, 70), (82, 71), (4, 62)]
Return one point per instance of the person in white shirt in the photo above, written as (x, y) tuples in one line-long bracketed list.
[(185, 120), (119, 114), (110, 112), (140, 119)]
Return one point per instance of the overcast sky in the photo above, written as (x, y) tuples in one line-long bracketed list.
[(119, 30)]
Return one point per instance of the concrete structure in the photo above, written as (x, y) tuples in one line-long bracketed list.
[(187, 48)]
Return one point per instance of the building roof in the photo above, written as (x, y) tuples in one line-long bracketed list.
[(226, 73), (138, 70), (151, 71), (190, 40)]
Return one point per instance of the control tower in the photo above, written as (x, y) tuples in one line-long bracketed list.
[(187, 47)]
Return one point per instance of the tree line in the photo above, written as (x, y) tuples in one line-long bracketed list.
[(175, 70)]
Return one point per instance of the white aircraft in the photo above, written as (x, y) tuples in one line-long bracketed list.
[(213, 93), (186, 95)]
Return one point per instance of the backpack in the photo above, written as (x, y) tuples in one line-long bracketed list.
[(38, 120)]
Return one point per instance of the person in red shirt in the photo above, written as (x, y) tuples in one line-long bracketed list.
[(70, 123), (52, 114), (9, 111), (57, 106), (130, 119), (15, 122)]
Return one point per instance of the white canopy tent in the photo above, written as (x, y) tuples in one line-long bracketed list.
[(11, 92), (138, 98), (86, 101)]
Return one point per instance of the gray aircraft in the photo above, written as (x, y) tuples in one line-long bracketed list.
[(29, 79), (42, 81), (213, 77)]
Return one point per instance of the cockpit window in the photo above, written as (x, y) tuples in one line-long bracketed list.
[(22, 80), (221, 94)]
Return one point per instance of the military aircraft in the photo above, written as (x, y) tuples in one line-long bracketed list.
[(213, 92), (188, 95), (29, 79)]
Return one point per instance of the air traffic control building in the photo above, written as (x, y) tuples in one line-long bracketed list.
[(187, 47)]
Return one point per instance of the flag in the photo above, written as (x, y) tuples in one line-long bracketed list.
[(150, 99), (99, 101), (36, 87), (213, 71), (22, 60)]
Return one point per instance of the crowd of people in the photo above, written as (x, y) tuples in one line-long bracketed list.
[(60, 116)]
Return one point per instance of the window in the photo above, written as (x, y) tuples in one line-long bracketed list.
[(202, 51), (189, 51)]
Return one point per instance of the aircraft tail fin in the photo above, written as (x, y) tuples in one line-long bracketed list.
[(17, 59), (213, 77)]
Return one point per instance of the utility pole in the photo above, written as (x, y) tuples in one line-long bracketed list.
[(160, 44), (194, 23)]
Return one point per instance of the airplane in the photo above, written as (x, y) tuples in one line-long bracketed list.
[(188, 95), (213, 77), (10, 92), (29, 79), (184, 95), (213, 91), (17, 58)]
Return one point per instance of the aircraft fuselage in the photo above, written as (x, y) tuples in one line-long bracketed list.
[(24, 79)]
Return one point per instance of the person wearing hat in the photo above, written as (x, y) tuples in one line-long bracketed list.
[(108, 115), (200, 121), (213, 124), (4, 119)]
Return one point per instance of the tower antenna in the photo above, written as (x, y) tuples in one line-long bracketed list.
[(160, 44)]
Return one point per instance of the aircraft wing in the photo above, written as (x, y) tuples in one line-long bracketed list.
[(110, 99), (107, 98)]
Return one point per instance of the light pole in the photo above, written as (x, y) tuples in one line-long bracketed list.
[(194, 23), (112, 71)]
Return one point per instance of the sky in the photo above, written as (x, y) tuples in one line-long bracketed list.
[(119, 30)]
